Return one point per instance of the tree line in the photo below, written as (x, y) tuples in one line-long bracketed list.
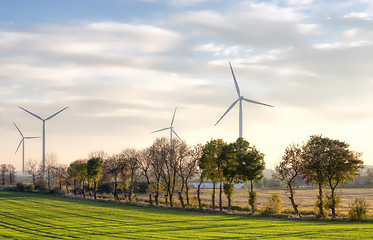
[(165, 174)]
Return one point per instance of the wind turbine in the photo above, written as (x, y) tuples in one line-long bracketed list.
[(239, 99), (23, 147), (46, 119), (171, 130)]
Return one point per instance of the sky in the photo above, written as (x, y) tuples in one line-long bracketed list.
[(122, 66)]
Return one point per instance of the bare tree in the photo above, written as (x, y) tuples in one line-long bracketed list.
[(158, 152), (129, 159), (32, 169), (112, 168), (288, 170), (12, 174), (145, 166)]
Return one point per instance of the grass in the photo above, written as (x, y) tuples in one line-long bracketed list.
[(38, 216)]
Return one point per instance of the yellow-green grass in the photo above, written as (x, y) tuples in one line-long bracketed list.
[(38, 216)]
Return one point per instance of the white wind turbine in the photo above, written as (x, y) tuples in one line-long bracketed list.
[(239, 99), (46, 119), (171, 130), (23, 147)]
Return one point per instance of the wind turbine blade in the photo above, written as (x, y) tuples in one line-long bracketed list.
[(252, 101), (19, 145), (176, 135), (161, 130), (18, 129), (31, 137), (31, 113), (235, 81), (234, 103), (55, 114), (173, 117)]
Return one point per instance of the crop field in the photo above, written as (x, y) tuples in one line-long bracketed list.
[(38, 216), (304, 198)]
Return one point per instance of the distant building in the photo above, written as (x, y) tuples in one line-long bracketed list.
[(209, 184)]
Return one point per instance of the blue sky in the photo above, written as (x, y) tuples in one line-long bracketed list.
[(123, 66)]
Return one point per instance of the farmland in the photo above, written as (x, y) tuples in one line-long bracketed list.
[(38, 216), (305, 198)]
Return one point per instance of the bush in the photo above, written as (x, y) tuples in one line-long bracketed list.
[(41, 185), (20, 187), (273, 205), (141, 187), (56, 190), (358, 210)]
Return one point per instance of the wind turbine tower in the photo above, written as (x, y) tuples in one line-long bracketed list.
[(171, 130), (23, 147), (239, 99), (43, 120)]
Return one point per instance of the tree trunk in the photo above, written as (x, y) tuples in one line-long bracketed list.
[(67, 188), (116, 197), (333, 202), (75, 187), (156, 194), (94, 189), (321, 202), (181, 199), (82, 189), (187, 193), (89, 189), (220, 197), (213, 196), (60, 185), (291, 190), (199, 196), (252, 192)]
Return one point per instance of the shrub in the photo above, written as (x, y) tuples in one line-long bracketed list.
[(41, 185), (273, 205), (358, 210), (56, 190), (20, 187)]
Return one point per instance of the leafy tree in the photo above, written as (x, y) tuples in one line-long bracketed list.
[(250, 167), (288, 170), (228, 157), (94, 172), (72, 171), (328, 161), (315, 162), (343, 165), (210, 165)]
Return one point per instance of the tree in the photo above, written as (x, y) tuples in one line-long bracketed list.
[(12, 173), (210, 165), (3, 173), (94, 172), (32, 169), (82, 175), (112, 168), (145, 166), (328, 161), (288, 170), (343, 165), (229, 165), (158, 152), (315, 160), (72, 171), (129, 161), (250, 167)]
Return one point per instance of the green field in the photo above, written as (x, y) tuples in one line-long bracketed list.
[(38, 216)]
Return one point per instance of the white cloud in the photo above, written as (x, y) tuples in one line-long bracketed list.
[(359, 15), (336, 45)]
